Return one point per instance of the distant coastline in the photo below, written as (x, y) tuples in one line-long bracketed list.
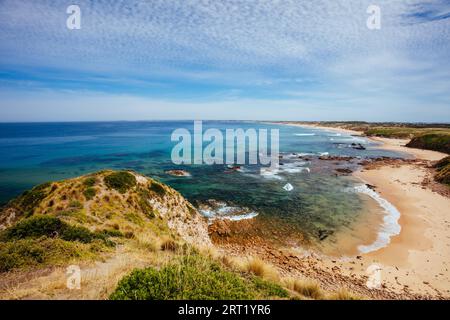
[(423, 244)]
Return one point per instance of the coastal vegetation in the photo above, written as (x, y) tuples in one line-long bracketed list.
[(306, 288), (431, 141), (49, 226), (443, 171), (30, 253), (121, 181), (154, 243), (196, 277)]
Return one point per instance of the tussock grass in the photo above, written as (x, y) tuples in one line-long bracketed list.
[(168, 244), (211, 252), (148, 241), (259, 268), (343, 294), (305, 287)]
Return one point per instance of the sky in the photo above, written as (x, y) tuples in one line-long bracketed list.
[(217, 59)]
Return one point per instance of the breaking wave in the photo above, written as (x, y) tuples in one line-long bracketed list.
[(220, 210), (390, 226)]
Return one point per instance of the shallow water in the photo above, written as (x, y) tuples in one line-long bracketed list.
[(318, 207)]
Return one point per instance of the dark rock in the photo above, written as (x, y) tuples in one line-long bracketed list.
[(344, 170), (323, 234)]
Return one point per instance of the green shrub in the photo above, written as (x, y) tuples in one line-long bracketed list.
[(193, 277), (49, 226), (90, 193), (34, 227), (158, 188), (111, 233), (32, 252), (19, 254), (89, 182), (269, 289), (121, 181), (32, 198), (75, 204)]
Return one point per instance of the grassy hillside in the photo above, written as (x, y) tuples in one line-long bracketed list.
[(142, 238), (443, 171), (431, 141)]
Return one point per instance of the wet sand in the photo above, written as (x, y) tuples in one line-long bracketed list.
[(418, 259)]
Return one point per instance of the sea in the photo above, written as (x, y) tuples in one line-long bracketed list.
[(303, 205)]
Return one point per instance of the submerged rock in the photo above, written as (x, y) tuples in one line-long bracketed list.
[(344, 171), (358, 146), (178, 173)]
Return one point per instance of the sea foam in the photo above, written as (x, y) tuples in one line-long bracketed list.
[(221, 210), (304, 134), (390, 226)]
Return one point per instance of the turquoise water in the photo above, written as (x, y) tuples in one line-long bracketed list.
[(34, 153)]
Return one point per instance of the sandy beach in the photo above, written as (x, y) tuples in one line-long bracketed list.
[(314, 126), (418, 259)]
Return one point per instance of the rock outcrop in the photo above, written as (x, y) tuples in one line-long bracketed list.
[(106, 198)]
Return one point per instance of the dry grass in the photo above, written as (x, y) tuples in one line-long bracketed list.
[(343, 294), (307, 288), (210, 251), (98, 279), (147, 241), (259, 268), (168, 244)]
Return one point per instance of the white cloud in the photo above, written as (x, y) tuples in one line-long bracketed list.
[(310, 50)]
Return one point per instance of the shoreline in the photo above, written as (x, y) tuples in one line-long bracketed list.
[(417, 259), (385, 143)]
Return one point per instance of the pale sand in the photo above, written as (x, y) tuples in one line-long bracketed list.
[(421, 251), (418, 259)]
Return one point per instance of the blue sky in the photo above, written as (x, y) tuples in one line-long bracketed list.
[(211, 59)]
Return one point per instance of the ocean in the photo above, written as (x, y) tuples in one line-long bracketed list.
[(323, 210)]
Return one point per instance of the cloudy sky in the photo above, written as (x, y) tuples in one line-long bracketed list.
[(217, 59)]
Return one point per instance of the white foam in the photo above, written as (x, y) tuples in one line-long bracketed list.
[(225, 212), (353, 139), (390, 226), (304, 134), (293, 167), (270, 173), (247, 216)]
